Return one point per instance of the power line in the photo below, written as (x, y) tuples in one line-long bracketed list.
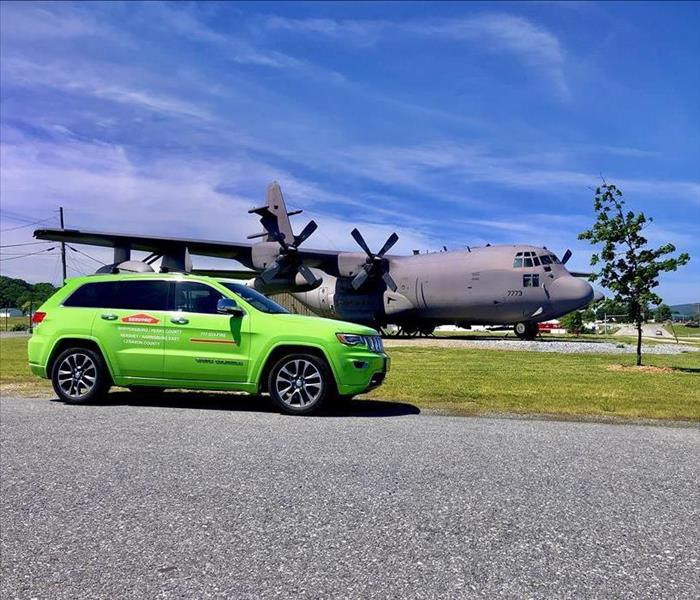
[(23, 244), (74, 261), (86, 254), (29, 254), (26, 225), (15, 216)]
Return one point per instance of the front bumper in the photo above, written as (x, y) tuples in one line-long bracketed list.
[(360, 372)]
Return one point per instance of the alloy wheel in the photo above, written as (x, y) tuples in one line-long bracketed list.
[(299, 383), (77, 374)]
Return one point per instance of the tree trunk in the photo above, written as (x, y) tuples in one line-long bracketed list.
[(639, 343)]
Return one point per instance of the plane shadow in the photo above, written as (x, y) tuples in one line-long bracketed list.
[(495, 338), (222, 401)]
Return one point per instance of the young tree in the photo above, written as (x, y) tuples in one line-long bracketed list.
[(573, 322), (663, 313), (629, 268)]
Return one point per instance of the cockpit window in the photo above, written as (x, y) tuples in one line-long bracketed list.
[(531, 280), (546, 260), (526, 259), (555, 260)]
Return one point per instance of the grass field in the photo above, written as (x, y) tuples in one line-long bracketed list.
[(483, 381), (6, 324), (492, 381), (683, 331)]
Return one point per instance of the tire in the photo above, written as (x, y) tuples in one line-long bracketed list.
[(525, 331), (80, 376), (299, 384)]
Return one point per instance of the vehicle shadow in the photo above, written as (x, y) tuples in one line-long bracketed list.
[(244, 403)]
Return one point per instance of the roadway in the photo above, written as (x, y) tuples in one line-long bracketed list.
[(198, 495)]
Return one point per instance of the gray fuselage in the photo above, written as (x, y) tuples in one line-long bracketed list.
[(478, 286)]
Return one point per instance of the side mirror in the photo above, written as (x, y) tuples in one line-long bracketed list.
[(227, 306)]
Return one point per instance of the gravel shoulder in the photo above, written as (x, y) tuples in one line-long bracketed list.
[(549, 345)]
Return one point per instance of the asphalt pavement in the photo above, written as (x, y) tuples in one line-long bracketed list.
[(203, 495)]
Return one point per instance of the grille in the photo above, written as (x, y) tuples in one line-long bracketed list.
[(375, 343)]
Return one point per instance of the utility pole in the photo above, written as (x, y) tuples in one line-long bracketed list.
[(63, 248)]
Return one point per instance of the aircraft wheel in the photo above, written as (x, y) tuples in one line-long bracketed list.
[(526, 331), (426, 330), (409, 330)]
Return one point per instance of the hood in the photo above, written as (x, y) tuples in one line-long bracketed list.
[(336, 326)]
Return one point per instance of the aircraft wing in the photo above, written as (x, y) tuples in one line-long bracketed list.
[(326, 260)]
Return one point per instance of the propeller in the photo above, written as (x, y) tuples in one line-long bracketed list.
[(289, 255), (566, 257), (376, 263)]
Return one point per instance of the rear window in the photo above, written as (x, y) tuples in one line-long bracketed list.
[(93, 295), (127, 295)]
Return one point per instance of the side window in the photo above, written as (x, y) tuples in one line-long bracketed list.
[(531, 280), (518, 260), (192, 296), (93, 295), (141, 295)]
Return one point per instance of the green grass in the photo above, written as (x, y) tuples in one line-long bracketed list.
[(485, 381), (7, 324), (14, 370), (683, 331), (492, 381)]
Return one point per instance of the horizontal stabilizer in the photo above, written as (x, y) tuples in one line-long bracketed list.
[(260, 210)]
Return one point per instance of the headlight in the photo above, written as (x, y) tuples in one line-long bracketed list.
[(373, 342), (351, 339)]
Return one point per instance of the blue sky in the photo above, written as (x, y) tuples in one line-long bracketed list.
[(452, 124)]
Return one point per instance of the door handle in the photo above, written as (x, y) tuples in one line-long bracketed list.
[(179, 320), (109, 317)]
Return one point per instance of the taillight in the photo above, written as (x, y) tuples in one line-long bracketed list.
[(38, 317)]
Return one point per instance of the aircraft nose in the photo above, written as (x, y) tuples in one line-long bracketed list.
[(570, 293)]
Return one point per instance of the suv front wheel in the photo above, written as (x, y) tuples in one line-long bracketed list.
[(80, 376), (300, 383)]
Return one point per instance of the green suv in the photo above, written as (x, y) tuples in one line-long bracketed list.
[(149, 331)]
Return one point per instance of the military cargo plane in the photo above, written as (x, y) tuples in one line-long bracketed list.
[(493, 285)]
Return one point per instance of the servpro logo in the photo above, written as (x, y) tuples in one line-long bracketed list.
[(140, 318)]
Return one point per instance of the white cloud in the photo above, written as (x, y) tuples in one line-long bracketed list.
[(102, 189), (533, 45), (422, 165), (27, 21), (75, 79)]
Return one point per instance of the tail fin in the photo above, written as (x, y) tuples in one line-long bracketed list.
[(274, 216)]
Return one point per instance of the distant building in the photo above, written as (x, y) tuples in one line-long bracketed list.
[(10, 312)]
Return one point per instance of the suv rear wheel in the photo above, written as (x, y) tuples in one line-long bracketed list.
[(300, 383), (80, 376)]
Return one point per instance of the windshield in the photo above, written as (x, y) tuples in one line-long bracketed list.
[(254, 298)]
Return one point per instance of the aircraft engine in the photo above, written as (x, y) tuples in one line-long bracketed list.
[(337, 299), (287, 283)]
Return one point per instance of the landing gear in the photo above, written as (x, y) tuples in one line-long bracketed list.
[(526, 331), (409, 330)]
